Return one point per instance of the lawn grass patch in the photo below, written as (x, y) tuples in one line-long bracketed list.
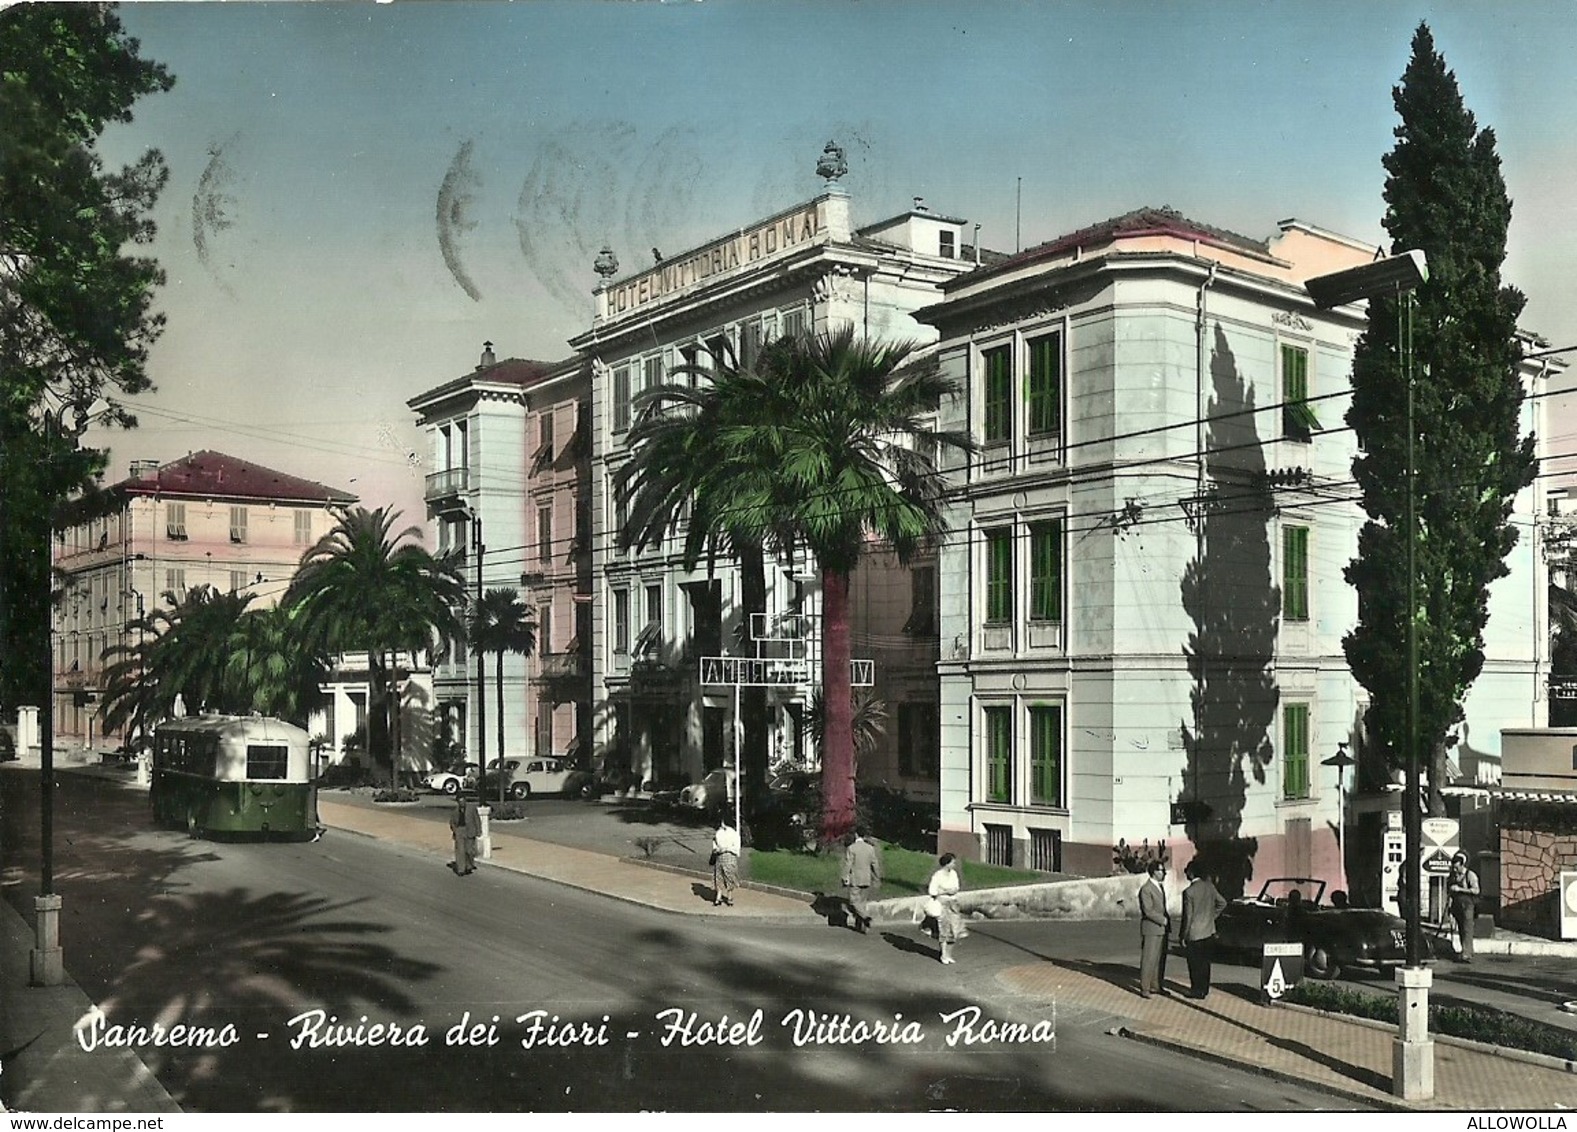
[(1474, 1023), (905, 872)]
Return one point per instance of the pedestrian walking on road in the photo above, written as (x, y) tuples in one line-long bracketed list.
[(466, 825), (1155, 932), (1462, 891), (941, 905), (1202, 903), (862, 874), (725, 863)]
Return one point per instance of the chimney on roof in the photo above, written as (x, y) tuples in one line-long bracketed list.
[(487, 356), (919, 205), (140, 468)]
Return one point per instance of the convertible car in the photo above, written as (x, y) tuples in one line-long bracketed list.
[(1289, 910)]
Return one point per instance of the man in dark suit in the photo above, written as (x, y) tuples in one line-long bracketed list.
[(1155, 930), (1202, 903)]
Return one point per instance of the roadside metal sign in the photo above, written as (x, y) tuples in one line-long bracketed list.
[(1568, 892), (1280, 968), (1439, 844)]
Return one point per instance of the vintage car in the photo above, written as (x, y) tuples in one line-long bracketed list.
[(527, 777), (1289, 910), (712, 794)]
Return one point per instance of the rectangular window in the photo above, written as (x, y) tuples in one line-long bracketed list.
[(175, 520), (545, 629), (621, 399), (654, 606), (1295, 751), (999, 576), (621, 622), (267, 762), (652, 370), (303, 533), (1045, 755), (947, 244), (997, 363), (922, 602), (545, 533), (794, 322), (1045, 570), (1295, 573), (919, 740), (175, 583), (545, 434), (749, 343), (237, 581), (238, 524), (1043, 389), (1297, 418), (999, 753)]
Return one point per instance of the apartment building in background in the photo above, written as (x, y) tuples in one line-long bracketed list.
[(206, 519), (1142, 604)]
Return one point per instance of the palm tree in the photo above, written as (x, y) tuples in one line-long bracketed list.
[(363, 587), (500, 623), (675, 466), (216, 654), (842, 426)]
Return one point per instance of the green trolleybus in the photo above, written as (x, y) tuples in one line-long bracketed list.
[(229, 774)]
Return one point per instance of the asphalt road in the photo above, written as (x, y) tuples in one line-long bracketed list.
[(281, 942)]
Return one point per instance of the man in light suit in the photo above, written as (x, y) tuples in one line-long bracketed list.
[(862, 872), (1202, 903), (1155, 930)]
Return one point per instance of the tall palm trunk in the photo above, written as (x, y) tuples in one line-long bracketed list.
[(498, 682), (837, 746), (378, 713)]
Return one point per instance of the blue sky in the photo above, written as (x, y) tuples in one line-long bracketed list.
[(310, 294)]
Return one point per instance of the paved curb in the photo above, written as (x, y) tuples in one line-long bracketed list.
[(1389, 1104), (1529, 1057)]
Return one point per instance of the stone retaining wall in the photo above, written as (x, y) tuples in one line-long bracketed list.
[(1536, 843), (1091, 898)]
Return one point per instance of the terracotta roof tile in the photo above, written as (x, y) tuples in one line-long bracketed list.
[(217, 475)]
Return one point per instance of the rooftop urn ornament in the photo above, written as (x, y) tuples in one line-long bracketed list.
[(606, 264), (832, 164)]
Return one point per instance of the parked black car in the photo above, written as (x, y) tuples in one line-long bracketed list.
[(1332, 938)]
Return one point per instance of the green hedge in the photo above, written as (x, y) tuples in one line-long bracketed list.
[(1475, 1023)]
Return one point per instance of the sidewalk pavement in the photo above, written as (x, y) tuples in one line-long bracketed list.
[(1348, 1058)]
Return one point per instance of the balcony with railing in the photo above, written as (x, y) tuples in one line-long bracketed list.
[(446, 488)]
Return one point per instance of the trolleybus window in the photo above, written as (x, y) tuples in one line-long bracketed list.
[(266, 762)]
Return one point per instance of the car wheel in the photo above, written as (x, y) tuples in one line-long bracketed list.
[(1319, 963), (520, 791), (451, 786)]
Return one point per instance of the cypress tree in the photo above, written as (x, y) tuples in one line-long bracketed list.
[(1444, 194)]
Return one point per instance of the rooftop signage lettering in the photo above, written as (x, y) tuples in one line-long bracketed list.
[(749, 246)]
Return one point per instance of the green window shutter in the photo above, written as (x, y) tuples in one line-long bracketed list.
[(999, 576), (1295, 573), (1045, 571), (1295, 751), (999, 753), (1045, 755), (1044, 387), (999, 395), (1297, 418), (621, 399)]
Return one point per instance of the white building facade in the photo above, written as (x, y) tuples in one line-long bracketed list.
[(1142, 605), (807, 269)]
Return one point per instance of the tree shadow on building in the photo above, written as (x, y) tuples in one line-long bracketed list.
[(1235, 610)]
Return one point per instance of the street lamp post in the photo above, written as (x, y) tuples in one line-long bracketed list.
[(1341, 760), (1412, 1054)]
